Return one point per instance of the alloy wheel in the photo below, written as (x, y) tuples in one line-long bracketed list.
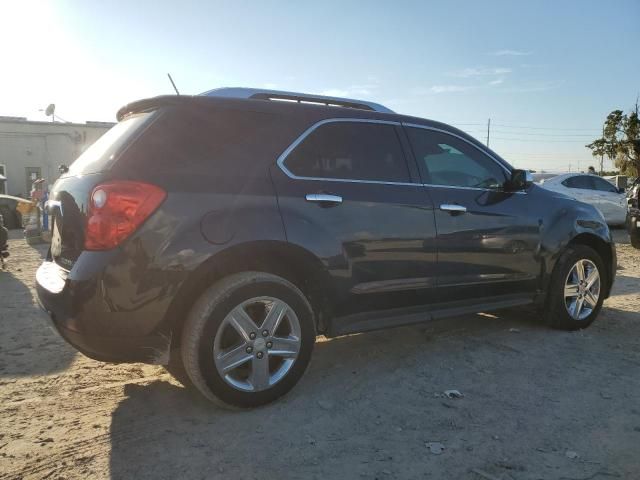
[(582, 289), (257, 343)]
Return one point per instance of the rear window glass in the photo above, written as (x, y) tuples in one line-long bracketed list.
[(101, 155)]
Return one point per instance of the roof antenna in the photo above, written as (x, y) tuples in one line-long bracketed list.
[(174, 85)]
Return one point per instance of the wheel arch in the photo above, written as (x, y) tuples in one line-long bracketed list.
[(286, 260)]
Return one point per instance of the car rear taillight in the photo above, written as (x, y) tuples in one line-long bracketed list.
[(116, 210)]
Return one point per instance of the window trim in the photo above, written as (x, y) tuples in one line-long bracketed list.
[(500, 164), (425, 127), (281, 159)]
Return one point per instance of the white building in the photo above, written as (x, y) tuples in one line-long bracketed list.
[(31, 150)]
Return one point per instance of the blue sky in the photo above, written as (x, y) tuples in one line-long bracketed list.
[(545, 72)]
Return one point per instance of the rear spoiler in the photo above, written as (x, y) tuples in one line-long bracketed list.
[(147, 104)]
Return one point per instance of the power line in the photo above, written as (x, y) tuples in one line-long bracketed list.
[(550, 128), (537, 140), (548, 134), (563, 135), (523, 127)]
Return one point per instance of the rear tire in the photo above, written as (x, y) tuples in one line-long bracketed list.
[(248, 340), (572, 303), (633, 229)]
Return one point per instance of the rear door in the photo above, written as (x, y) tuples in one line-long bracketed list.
[(348, 195), (486, 237)]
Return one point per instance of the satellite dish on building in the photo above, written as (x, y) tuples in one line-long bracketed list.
[(50, 109)]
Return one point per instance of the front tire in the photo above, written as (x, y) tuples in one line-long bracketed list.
[(576, 290), (248, 339)]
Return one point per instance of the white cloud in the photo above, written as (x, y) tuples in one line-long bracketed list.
[(449, 89), (510, 53), (497, 81), (357, 90), (480, 72), (535, 87), (335, 92), (364, 89)]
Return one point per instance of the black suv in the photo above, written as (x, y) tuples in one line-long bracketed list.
[(221, 233)]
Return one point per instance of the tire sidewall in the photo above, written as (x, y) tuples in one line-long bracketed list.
[(214, 381)]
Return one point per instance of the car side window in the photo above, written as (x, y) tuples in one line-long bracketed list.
[(352, 151), (583, 182), (603, 186), (446, 160)]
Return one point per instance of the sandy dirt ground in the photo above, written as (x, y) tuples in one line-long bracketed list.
[(537, 404)]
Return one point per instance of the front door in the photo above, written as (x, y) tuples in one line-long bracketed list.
[(348, 195), (486, 238)]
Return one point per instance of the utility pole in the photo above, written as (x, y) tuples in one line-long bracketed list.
[(488, 130)]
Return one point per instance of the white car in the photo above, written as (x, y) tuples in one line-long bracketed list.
[(594, 190)]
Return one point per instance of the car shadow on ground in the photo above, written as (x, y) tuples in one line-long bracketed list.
[(620, 235), (625, 285), (27, 345), (163, 430), (370, 402)]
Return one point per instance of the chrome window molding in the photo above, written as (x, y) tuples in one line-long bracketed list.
[(281, 159), (307, 132), (500, 164), (496, 190)]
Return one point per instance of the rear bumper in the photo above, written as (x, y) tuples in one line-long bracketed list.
[(78, 312)]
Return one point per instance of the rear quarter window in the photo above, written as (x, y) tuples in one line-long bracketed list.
[(204, 142), (102, 154)]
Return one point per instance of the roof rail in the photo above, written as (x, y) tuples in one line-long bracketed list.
[(262, 94)]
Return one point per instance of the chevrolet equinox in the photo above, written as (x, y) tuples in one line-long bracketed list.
[(218, 234)]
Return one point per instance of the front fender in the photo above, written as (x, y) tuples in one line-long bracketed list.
[(575, 223)]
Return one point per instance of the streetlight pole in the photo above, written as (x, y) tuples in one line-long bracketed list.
[(488, 130)]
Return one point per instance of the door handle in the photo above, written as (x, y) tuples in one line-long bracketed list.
[(453, 208), (323, 198)]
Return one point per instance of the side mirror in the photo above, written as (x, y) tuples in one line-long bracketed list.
[(520, 180), (621, 190)]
